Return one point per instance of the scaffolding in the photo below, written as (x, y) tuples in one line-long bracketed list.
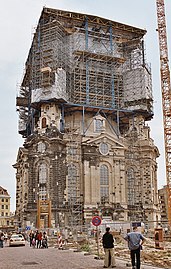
[(102, 64), (86, 64), (74, 196)]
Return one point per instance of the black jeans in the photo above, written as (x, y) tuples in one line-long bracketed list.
[(135, 253), (1, 244)]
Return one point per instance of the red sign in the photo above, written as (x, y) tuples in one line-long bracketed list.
[(96, 221)]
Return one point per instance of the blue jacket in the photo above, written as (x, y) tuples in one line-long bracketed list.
[(134, 240)]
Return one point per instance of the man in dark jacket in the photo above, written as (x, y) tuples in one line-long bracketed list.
[(108, 249)]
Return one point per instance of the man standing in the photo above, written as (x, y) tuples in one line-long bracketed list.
[(135, 242), (1, 240), (108, 246)]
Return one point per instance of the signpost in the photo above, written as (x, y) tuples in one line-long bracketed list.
[(96, 221)]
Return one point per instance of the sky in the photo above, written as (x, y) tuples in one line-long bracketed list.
[(18, 19)]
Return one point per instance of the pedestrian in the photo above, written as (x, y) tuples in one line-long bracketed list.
[(108, 245), (44, 240), (135, 241), (1, 240), (31, 236), (66, 236), (33, 243), (5, 237), (39, 239)]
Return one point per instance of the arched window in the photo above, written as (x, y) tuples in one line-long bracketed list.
[(104, 183), (72, 183), (131, 186), (43, 176), (42, 193), (44, 123), (98, 125), (42, 173)]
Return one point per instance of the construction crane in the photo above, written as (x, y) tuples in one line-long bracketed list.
[(166, 94)]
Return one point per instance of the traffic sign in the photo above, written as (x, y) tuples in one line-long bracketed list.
[(96, 220)]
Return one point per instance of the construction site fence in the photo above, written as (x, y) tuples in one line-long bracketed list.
[(89, 231)]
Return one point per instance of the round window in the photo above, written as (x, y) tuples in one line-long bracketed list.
[(104, 148)]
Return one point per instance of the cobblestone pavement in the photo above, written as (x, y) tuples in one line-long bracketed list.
[(52, 258)]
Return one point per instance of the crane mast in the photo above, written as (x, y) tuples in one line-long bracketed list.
[(166, 94)]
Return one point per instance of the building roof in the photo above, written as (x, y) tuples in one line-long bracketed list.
[(92, 20), (3, 191)]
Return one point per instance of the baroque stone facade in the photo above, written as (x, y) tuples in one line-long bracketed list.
[(100, 172)]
